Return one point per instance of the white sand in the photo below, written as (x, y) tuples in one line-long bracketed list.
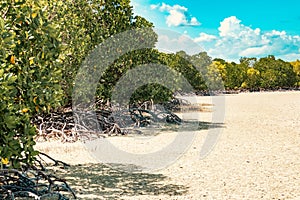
[(256, 157)]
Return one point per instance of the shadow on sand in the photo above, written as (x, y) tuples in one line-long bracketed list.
[(111, 181), (114, 181)]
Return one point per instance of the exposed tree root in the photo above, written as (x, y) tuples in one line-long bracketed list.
[(69, 126), (33, 182)]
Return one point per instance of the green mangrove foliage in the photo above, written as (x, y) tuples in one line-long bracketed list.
[(30, 74), (43, 44)]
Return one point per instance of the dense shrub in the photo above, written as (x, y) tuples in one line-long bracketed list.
[(30, 73), (43, 44)]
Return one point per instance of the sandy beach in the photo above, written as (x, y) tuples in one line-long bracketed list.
[(257, 156)]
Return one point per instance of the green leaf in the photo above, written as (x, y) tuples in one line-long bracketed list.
[(1, 72), (1, 23)]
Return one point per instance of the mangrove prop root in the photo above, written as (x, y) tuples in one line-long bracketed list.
[(34, 182), (69, 126)]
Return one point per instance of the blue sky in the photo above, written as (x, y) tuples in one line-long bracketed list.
[(227, 29)]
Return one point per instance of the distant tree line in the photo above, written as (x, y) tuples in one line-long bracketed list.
[(253, 74), (267, 73)]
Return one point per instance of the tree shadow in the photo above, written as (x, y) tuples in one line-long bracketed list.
[(111, 181), (209, 125), (186, 126)]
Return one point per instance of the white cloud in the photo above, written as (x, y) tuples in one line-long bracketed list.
[(154, 6), (194, 22), (176, 15), (254, 51), (230, 27), (172, 42), (237, 40), (203, 37), (297, 37), (166, 7), (275, 33), (176, 18), (291, 56)]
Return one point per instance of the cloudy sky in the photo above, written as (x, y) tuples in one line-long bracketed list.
[(227, 29)]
